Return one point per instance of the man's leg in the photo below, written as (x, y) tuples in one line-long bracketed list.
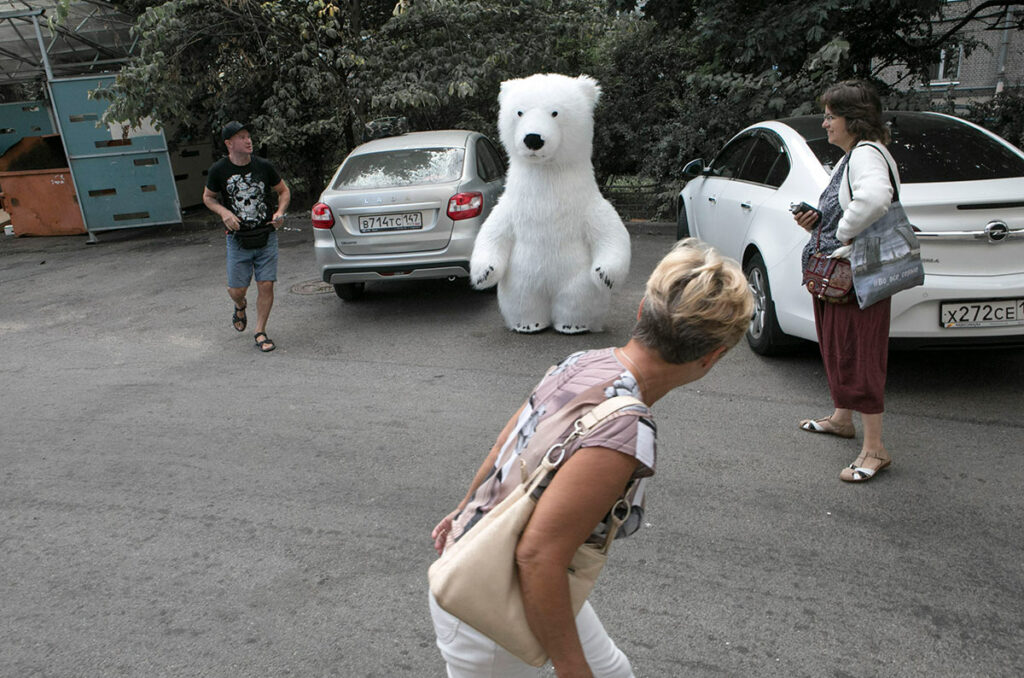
[(264, 301), (265, 269), (239, 267), (237, 295)]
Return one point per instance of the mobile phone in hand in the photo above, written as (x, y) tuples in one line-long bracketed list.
[(798, 208)]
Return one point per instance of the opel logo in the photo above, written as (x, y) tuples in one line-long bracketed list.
[(996, 231)]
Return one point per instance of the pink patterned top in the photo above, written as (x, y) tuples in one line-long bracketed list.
[(634, 434)]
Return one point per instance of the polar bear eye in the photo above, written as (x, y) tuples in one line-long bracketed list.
[(519, 113), (554, 114)]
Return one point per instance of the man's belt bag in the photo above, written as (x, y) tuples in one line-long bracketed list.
[(476, 579), (254, 238)]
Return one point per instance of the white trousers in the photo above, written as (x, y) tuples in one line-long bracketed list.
[(470, 654)]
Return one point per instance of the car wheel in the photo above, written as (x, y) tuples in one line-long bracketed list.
[(349, 291), (763, 335), (682, 225)]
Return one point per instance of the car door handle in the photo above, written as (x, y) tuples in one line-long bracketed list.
[(712, 200), (745, 205)]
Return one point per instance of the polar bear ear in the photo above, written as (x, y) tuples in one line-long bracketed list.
[(506, 89), (590, 89)]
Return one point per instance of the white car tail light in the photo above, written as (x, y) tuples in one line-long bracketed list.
[(465, 206), (322, 216)]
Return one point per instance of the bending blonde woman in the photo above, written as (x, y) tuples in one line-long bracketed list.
[(697, 306)]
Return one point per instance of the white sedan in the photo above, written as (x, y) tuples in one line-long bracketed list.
[(963, 189)]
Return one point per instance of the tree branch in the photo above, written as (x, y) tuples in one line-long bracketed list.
[(975, 14)]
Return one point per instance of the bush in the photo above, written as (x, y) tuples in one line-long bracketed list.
[(1002, 114)]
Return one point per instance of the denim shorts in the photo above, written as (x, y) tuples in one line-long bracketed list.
[(243, 263)]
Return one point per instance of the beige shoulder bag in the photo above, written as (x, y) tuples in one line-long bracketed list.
[(476, 578)]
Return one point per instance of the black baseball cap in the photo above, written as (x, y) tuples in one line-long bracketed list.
[(231, 129)]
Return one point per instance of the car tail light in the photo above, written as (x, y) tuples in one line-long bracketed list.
[(322, 216), (465, 206)]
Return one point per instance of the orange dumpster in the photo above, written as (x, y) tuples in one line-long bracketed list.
[(36, 188)]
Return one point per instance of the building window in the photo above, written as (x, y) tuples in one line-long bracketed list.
[(947, 70)]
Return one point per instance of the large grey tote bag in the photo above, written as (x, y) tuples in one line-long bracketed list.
[(886, 257)]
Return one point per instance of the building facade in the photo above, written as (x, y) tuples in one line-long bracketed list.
[(995, 64)]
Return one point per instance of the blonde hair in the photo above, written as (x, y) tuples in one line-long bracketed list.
[(697, 301)]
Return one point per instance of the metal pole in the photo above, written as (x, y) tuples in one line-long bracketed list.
[(42, 48), (60, 128)]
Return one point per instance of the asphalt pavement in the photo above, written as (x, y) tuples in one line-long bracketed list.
[(174, 503)]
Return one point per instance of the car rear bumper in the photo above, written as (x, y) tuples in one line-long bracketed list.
[(335, 267), (348, 274), (916, 320)]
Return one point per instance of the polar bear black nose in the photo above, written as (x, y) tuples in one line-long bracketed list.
[(534, 142)]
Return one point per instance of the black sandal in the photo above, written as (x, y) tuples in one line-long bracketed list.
[(239, 321), (262, 344)]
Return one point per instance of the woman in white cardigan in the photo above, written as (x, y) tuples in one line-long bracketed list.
[(854, 343)]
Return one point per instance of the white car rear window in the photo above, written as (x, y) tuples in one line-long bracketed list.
[(928, 149), (406, 167)]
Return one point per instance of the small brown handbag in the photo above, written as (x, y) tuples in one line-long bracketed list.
[(829, 280)]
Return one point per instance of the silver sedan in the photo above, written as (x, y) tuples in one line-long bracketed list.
[(406, 207)]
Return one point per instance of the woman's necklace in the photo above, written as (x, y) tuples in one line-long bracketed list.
[(635, 370)]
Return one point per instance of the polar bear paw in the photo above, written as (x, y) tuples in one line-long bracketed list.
[(566, 328), (528, 328), (603, 277), (484, 278)]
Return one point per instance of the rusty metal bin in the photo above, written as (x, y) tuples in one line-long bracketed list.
[(37, 190)]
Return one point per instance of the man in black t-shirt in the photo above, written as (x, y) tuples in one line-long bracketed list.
[(250, 197)]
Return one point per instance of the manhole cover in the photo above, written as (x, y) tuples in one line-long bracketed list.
[(312, 287)]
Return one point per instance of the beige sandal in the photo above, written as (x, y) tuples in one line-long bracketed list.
[(828, 427), (859, 471)]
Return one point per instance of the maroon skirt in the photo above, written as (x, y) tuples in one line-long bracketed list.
[(855, 349)]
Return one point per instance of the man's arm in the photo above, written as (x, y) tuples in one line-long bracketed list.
[(211, 200), (284, 196)]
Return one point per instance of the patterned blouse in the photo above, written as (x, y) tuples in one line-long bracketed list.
[(633, 434), (831, 212)]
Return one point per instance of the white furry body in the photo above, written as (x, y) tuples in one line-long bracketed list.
[(553, 245)]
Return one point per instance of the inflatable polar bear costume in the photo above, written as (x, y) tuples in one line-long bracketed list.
[(553, 245)]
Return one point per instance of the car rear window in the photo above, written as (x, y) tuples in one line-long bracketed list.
[(938, 149), (928, 148), (405, 167)]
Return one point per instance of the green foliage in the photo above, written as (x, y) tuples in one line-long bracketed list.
[(679, 77), (281, 66), (657, 118), (1003, 114), (752, 36), (440, 63)]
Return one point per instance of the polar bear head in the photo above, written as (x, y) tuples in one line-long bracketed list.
[(548, 118)]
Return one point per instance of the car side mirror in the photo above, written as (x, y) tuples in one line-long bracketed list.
[(693, 169)]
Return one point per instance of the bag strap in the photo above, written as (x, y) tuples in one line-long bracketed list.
[(553, 425), (892, 177), (616, 521), (599, 415), (602, 413)]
